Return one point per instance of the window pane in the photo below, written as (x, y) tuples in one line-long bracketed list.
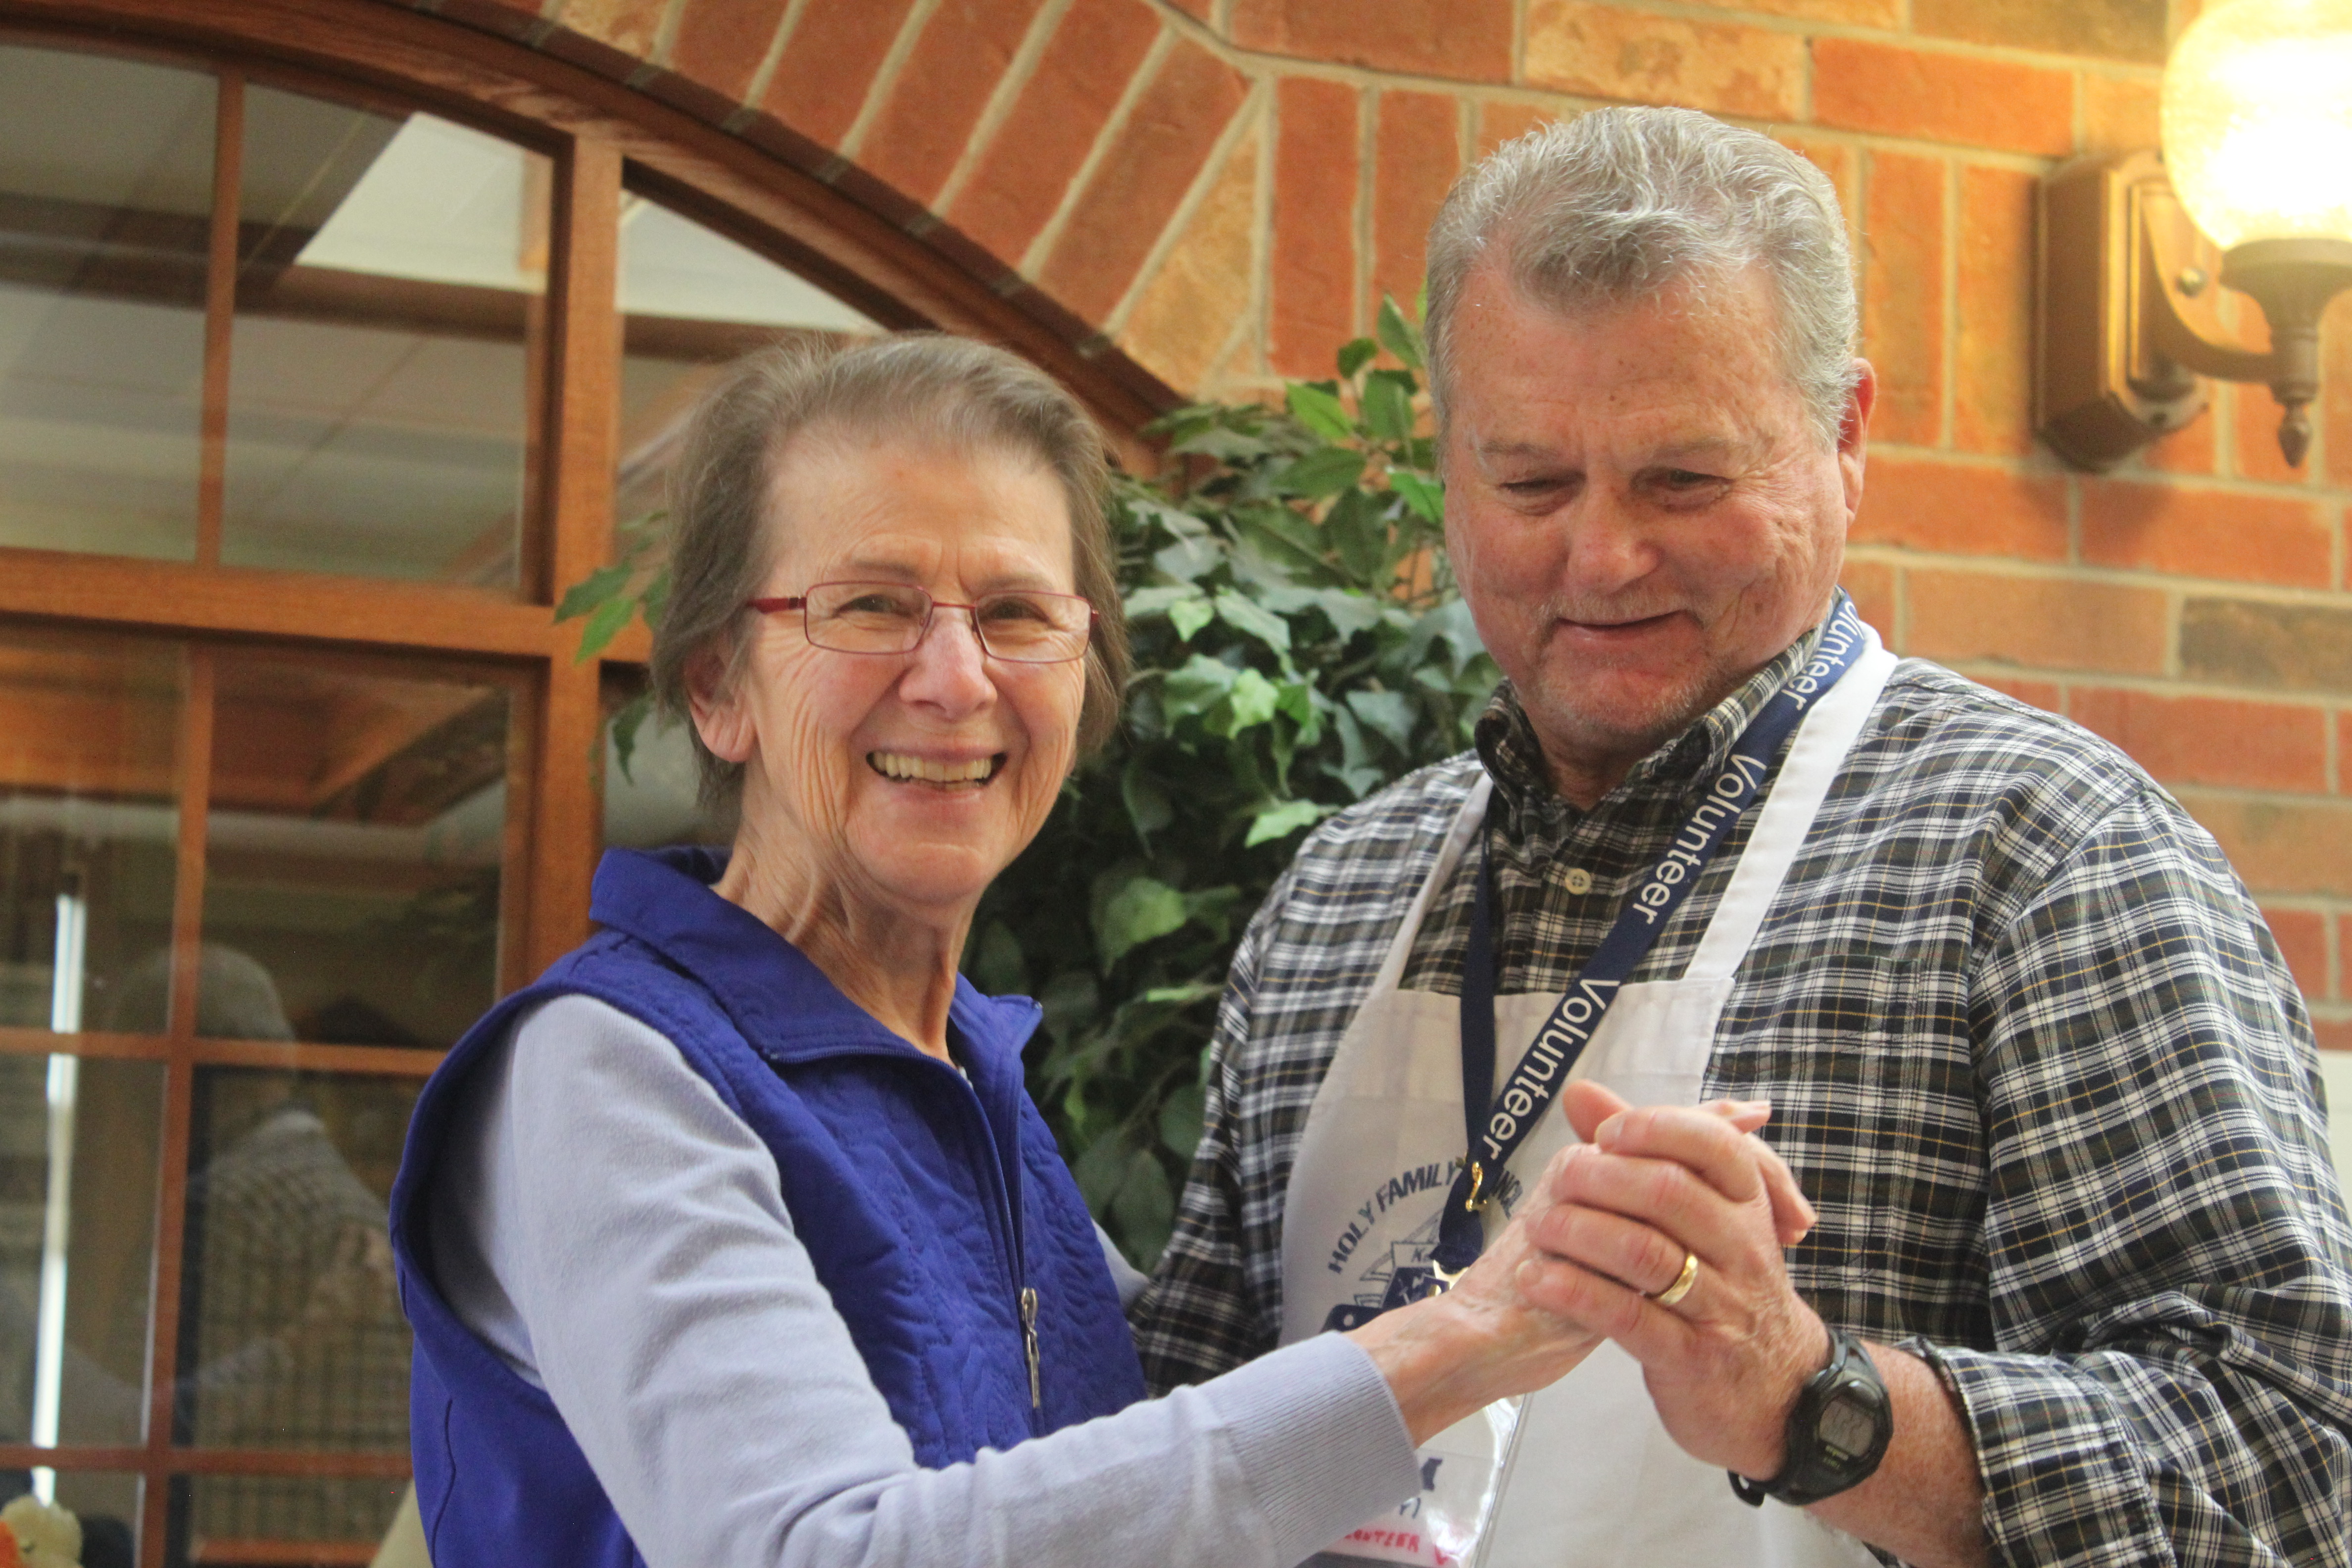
[(88, 730), (106, 1503), (694, 299), (273, 1521), (291, 1335), (79, 1141), (390, 276), (105, 194), (352, 853)]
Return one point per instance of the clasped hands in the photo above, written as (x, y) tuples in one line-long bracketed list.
[(1607, 1228)]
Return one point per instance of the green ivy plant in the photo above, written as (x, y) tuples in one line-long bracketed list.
[(1299, 644)]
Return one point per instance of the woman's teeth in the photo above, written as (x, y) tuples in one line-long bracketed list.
[(896, 766)]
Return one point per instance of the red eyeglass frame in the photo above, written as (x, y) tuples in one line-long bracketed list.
[(786, 602)]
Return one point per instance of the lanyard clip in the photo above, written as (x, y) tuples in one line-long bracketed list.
[(1477, 1181)]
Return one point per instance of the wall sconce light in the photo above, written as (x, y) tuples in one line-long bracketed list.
[(2254, 190)]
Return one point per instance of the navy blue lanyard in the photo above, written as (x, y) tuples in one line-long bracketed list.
[(1492, 1139)]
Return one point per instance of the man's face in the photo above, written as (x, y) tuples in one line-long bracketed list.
[(1639, 510)]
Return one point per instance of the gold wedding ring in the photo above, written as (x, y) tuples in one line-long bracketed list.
[(1674, 1293)]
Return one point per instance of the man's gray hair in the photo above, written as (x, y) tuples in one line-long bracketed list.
[(1619, 204)]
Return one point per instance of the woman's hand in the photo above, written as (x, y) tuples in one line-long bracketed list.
[(1449, 1356)]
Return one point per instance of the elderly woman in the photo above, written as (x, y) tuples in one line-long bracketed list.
[(735, 1240)]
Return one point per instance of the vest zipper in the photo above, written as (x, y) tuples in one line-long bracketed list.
[(1029, 1343), (1024, 1294)]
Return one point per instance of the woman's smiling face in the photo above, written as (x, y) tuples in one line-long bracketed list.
[(910, 779)]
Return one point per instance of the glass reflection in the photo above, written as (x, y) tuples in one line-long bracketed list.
[(88, 731), (291, 1335), (77, 1240), (104, 1510), (390, 282), (106, 183), (353, 852), (693, 300)]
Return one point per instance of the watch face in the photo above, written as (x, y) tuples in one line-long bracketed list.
[(1848, 1426)]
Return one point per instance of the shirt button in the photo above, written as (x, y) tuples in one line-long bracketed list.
[(1579, 881)]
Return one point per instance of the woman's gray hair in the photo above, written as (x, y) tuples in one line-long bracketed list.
[(914, 386), (1621, 202)]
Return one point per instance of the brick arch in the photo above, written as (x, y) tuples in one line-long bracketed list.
[(1049, 149)]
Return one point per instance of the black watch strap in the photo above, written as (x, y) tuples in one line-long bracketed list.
[(1838, 1431)]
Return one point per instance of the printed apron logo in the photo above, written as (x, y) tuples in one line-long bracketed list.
[(1396, 1273), (1387, 1265)]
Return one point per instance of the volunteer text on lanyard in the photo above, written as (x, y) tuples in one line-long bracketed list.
[(1528, 1097)]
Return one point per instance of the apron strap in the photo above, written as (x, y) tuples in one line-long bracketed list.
[(1815, 761), (1449, 854)]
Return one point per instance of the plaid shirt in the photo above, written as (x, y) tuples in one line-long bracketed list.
[(2031, 1052)]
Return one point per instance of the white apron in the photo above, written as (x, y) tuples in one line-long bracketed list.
[(1590, 1478)]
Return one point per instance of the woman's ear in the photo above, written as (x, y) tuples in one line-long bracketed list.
[(720, 716)]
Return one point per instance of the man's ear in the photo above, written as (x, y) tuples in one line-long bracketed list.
[(1854, 433), (720, 716)]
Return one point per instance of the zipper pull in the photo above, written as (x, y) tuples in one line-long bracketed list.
[(1029, 1343)]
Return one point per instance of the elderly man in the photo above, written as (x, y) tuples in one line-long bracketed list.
[(2078, 1289)]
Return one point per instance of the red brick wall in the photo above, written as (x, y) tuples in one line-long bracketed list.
[(1224, 187)]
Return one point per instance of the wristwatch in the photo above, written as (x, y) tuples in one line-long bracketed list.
[(1837, 1433)]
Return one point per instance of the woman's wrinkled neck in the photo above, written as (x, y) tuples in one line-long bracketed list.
[(897, 963)]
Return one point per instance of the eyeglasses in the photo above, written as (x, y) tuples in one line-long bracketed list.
[(1018, 627)]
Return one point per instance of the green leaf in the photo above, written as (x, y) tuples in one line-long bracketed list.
[(1388, 405), (1183, 995), (1360, 534), (1145, 1208), (1190, 558), (655, 599), (596, 588), (1354, 354), (1297, 698), (1252, 701), (626, 725), (1453, 623), (1069, 1001), (1320, 474), (1389, 712), (1154, 600), (1226, 444), (1189, 616), (1143, 908), (995, 964), (1101, 1169), (1213, 908), (1252, 619), (1147, 804), (1400, 335), (1180, 1115), (1321, 412), (1426, 496), (602, 626), (1198, 687), (1281, 821), (1284, 527)]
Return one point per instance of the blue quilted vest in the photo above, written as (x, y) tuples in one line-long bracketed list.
[(928, 1203)]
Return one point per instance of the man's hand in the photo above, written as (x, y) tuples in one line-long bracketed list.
[(1489, 1337), (1646, 1188), (1724, 1365)]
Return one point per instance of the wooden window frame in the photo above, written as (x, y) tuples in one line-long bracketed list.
[(601, 138)]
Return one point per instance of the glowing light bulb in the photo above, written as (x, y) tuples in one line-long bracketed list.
[(2258, 121)]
